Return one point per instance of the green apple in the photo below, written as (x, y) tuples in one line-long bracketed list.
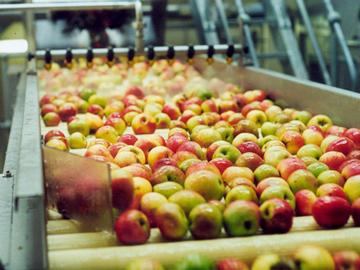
[(229, 152), (207, 136), (79, 125), (280, 192), (330, 176), (265, 171), (317, 168), (187, 200), (98, 99), (309, 150), (269, 128), (241, 192), (77, 140), (302, 179), (303, 116), (257, 116), (352, 188), (194, 262), (262, 141), (86, 93), (274, 157), (320, 120), (205, 221), (227, 133), (167, 188)]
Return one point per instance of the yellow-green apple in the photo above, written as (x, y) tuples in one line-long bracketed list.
[(238, 182), (203, 165), (138, 170), (272, 143), (195, 121), (227, 151), (77, 140), (117, 123), (310, 257), (352, 188), (122, 188), (316, 168), (234, 172), (273, 156), (187, 163), (346, 259), (330, 189), (254, 95), (331, 212), (250, 107), (195, 261), (282, 118), (327, 141), (172, 111), (226, 132), (57, 143), (302, 179), (269, 128), (206, 137), (272, 111), (354, 135), (293, 141), (280, 192), (168, 173), (100, 150), (221, 163), (113, 107), (231, 264), (205, 221), (158, 153), (211, 118), (171, 221), (162, 120), (94, 121), (309, 160), (312, 136), (235, 118), (142, 186), (212, 148), (304, 200), (309, 150), (250, 160), (139, 264), (192, 147), (149, 203), (181, 156), (322, 121), (289, 165), (107, 133), (242, 218), (303, 116), (174, 142), (276, 216), (51, 119), (143, 124), (86, 93), (140, 156), (168, 188), (355, 212), (245, 126), (125, 158), (132, 228), (131, 108), (187, 200), (206, 183), (333, 159), (343, 145), (330, 176), (129, 139), (265, 171), (271, 261), (66, 111), (79, 125), (98, 99), (257, 116), (241, 192)]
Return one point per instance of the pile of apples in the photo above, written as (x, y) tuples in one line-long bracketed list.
[(309, 257), (208, 160)]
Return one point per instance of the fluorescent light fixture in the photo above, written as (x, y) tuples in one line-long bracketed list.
[(13, 46)]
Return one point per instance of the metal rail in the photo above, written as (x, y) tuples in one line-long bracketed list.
[(75, 6)]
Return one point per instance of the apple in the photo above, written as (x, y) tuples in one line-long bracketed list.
[(265, 171), (221, 163), (205, 221), (330, 189), (304, 201), (270, 181), (250, 107), (250, 146), (125, 158), (51, 119), (136, 91), (140, 264), (343, 145), (333, 159), (227, 151), (330, 176), (149, 203), (143, 124), (257, 116), (100, 150), (186, 115), (186, 164), (276, 216), (95, 109), (269, 128), (172, 111), (238, 182), (289, 165), (94, 121), (117, 123), (138, 170), (244, 137), (241, 192), (322, 121), (231, 264), (227, 133), (272, 142), (97, 99), (272, 261), (311, 257), (234, 172), (46, 99), (47, 108), (351, 169), (303, 116), (154, 99), (241, 218), (77, 140), (195, 121), (227, 105), (302, 179), (331, 212), (142, 186), (192, 147), (171, 221), (312, 137), (309, 160), (168, 188), (206, 183), (53, 133), (202, 165), (327, 141), (346, 259), (207, 136), (179, 131), (163, 162), (132, 228), (273, 156), (158, 153), (177, 124), (212, 148), (187, 200), (57, 143), (317, 168), (167, 173), (354, 135), (355, 212), (194, 261), (354, 154), (107, 133), (245, 126), (174, 142), (122, 187), (336, 130), (352, 188), (66, 111), (279, 192), (209, 105), (254, 95), (293, 141), (113, 107), (235, 118), (309, 150), (162, 120), (79, 125), (146, 144)]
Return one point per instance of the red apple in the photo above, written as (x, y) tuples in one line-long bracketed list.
[(250, 160), (346, 260), (66, 111), (231, 264), (250, 147), (51, 119), (129, 139), (330, 189), (287, 166), (136, 91), (172, 111), (304, 202), (174, 142), (221, 163), (354, 154), (53, 133), (46, 99), (138, 170), (46, 108), (192, 147), (331, 212), (354, 135), (163, 162), (333, 159), (114, 148), (132, 228), (355, 212), (343, 145), (351, 169), (276, 216)]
